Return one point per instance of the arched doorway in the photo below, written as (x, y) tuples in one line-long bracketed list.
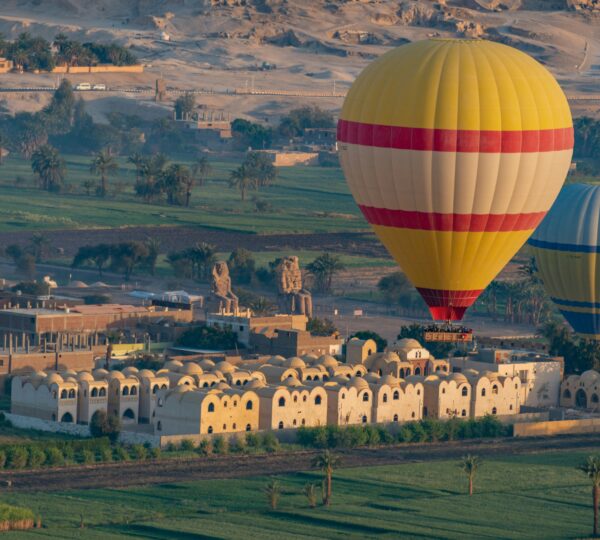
[(128, 415), (67, 417), (581, 399)]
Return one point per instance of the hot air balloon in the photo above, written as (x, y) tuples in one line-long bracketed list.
[(454, 150), (566, 247)]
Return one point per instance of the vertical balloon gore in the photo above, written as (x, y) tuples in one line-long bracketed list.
[(454, 150)]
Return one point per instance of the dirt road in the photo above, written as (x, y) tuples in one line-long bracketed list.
[(235, 466)]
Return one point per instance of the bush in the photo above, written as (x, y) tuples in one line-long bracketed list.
[(2, 459), (68, 453), (120, 454), (253, 440), (155, 452), (237, 444), (187, 445), (36, 458), (54, 457), (170, 447), (220, 445), (106, 455), (104, 425), (86, 456), (270, 442), (17, 457), (138, 452), (205, 447)]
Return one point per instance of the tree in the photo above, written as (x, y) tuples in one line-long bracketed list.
[(273, 491), (88, 185), (262, 307), (369, 334), (176, 182), (250, 135), (241, 180), (184, 106), (321, 327), (39, 245), (324, 268), (470, 464), (591, 468), (103, 165), (201, 169), (49, 167), (153, 245), (241, 265), (127, 256), (209, 337), (298, 120), (327, 462), (260, 168), (99, 255), (149, 186), (32, 288), (104, 425)]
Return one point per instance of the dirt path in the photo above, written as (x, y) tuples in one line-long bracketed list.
[(236, 466)]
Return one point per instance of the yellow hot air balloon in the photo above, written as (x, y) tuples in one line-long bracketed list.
[(454, 150)]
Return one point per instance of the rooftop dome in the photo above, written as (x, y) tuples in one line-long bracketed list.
[(100, 373), (309, 358), (589, 376), (372, 377), (327, 361), (295, 363), (225, 367), (389, 379), (223, 386), (38, 375), (206, 364), (145, 373), (54, 378), (291, 382), (173, 365), (115, 375), (276, 360), (255, 383), (390, 356), (130, 370), (408, 343), (69, 373), (191, 368), (358, 382), (458, 377), (85, 376)]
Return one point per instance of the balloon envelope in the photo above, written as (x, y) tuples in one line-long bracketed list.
[(454, 150), (566, 247)]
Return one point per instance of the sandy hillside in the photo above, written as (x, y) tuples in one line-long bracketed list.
[(315, 44)]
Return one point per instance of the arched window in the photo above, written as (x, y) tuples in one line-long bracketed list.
[(308, 378), (443, 390), (494, 410), (280, 426), (163, 387), (304, 398), (155, 389), (295, 399), (234, 403), (483, 392), (210, 429), (205, 385), (419, 392), (594, 398), (567, 394), (186, 383), (364, 419), (380, 372), (365, 396), (94, 392), (396, 395), (63, 394), (248, 427), (234, 426), (463, 412), (495, 389), (102, 392), (342, 395), (159, 426), (224, 427), (318, 400), (281, 402), (395, 418), (249, 405), (413, 414), (402, 373), (465, 391), (134, 390), (384, 399), (225, 404), (72, 394), (238, 383), (294, 422), (126, 390), (418, 371), (211, 407)]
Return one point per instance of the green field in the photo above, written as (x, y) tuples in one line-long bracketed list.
[(303, 199), (537, 496)]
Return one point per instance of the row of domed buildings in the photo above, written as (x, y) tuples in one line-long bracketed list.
[(271, 393)]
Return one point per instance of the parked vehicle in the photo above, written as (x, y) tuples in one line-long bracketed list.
[(83, 86), (99, 86)]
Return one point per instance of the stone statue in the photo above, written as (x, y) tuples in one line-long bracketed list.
[(220, 288), (292, 297)]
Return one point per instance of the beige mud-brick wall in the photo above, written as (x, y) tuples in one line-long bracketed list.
[(137, 68)]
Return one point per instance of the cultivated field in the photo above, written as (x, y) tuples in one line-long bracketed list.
[(533, 496), (303, 199)]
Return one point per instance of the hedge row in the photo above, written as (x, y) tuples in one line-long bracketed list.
[(220, 445), (411, 432), (87, 451)]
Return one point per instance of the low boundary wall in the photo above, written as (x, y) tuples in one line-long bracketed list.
[(559, 427)]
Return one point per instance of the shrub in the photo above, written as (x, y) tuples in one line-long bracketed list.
[(17, 457), (54, 457), (2, 459), (155, 452), (104, 425), (434, 429), (310, 490), (106, 454), (220, 445), (68, 453), (237, 444), (270, 442), (36, 457), (405, 434), (15, 517), (205, 447), (253, 440), (138, 452), (170, 447), (187, 445), (120, 453), (86, 456)]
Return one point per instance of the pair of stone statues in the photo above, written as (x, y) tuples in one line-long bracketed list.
[(292, 298)]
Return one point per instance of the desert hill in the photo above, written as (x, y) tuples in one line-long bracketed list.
[(306, 45)]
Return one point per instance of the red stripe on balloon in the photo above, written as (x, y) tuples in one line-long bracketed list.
[(434, 221), (447, 305), (454, 140)]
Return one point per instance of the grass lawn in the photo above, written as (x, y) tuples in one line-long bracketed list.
[(537, 496), (304, 199)]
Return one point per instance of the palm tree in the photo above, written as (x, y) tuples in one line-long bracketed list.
[(591, 468), (241, 180), (326, 462), (469, 465), (49, 167), (323, 268), (310, 490), (103, 165), (273, 491), (137, 160), (150, 177), (39, 243), (201, 169), (176, 180)]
